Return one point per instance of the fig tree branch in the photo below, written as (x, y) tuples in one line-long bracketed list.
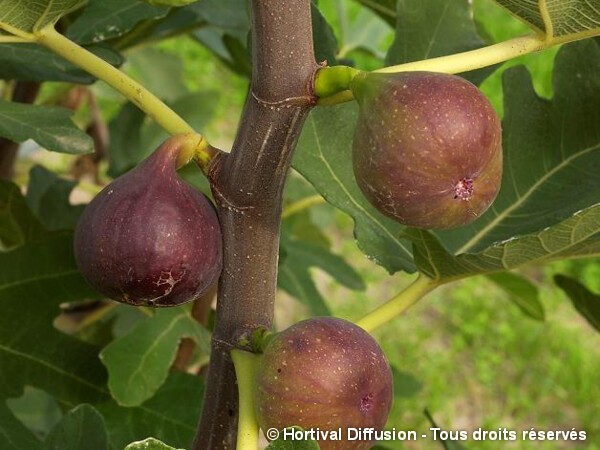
[(247, 185)]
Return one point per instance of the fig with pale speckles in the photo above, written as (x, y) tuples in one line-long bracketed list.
[(427, 148), (324, 373), (148, 238)]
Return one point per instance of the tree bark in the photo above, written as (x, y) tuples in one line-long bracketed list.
[(247, 185), (24, 92)]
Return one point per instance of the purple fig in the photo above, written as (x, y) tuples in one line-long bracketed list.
[(427, 148), (324, 373), (148, 238)]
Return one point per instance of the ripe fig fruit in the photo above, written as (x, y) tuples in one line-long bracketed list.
[(324, 373), (148, 238), (427, 148)]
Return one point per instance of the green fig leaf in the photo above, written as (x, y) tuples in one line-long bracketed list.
[(30, 16), (585, 302), (15, 64), (139, 362), (556, 18), (454, 30), (522, 292), (362, 30), (48, 198), (568, 239), (323, 37), (17, 223), (51, 127), (38, 277), (13, 434), (171, 415), (547, 143), (386, 9), (295, 275), (102, 20), (149, 444), (323, 158), (81, 428)]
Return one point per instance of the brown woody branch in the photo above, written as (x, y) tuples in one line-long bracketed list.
[(247, 185)]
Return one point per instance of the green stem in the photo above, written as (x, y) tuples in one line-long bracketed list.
[(131, 89), (246, 364), (476, 59), (398, 304), (301, 205), (332, 80), (332, 84)]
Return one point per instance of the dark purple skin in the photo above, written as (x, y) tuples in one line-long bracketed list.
[(427, 148), (324, 373), (148, 238)]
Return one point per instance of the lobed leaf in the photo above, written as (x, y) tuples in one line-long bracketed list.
[(139, 362), (557, 18), (51, 127)]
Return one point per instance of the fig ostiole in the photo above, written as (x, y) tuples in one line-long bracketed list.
[(149, 238), (427, 148), (324, 373)]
